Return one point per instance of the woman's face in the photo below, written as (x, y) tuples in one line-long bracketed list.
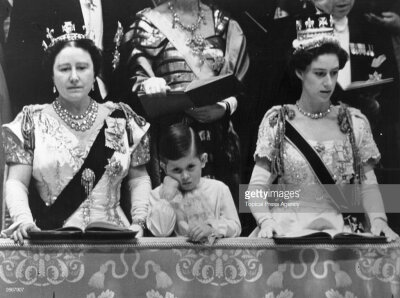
[(73, 73), (319, 78)]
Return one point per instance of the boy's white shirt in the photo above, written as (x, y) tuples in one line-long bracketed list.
[(163, 219)]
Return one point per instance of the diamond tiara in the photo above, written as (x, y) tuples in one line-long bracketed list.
[(314, 31), (70, 35)]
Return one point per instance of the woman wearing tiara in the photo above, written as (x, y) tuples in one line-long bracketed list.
[(170, 46), (314, 148), (73, 154)]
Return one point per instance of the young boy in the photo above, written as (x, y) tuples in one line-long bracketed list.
[(185, 203)]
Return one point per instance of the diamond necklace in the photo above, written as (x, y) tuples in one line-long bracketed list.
[(196, 42), (77, 122), (314, 115)]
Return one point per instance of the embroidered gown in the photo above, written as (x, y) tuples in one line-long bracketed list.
[(151, 54), (315, 209), (59, 154)]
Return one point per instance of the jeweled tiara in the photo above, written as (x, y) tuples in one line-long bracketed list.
[(70, 35), (314, 31)]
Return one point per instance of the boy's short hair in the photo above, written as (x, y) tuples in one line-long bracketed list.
[(177, 141)]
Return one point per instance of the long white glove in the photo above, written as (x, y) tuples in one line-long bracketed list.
[(260, 180), (139, 189), (16, 197)]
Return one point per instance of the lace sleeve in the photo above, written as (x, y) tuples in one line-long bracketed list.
[(266, 134), (141, 155), (368, 150), (14, 150)]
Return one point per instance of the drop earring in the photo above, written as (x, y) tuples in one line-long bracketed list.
[(93, 87), (54, 89)]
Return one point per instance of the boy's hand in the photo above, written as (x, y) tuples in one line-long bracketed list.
[(200, 232), (169, 189)]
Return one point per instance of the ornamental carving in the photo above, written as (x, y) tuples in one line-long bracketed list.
[(40, 269), (380, 264), (219, 267)]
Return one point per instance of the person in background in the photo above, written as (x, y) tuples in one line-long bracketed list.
[(313, 143), (186, 203), (168, 47), (72, 154), (371, 56), (5, 11)]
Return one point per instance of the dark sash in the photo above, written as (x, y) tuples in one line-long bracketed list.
[(53, 216), (318, 166)]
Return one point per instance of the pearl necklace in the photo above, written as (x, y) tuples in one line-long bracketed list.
[(313, 115), (77, 122)]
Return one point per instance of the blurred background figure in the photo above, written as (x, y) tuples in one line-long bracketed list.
[(5, 11)]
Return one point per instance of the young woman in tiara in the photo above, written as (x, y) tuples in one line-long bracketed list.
[(73, 154), (311, 144)]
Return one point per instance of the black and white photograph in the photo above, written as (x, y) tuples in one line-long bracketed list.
[(200, 148)]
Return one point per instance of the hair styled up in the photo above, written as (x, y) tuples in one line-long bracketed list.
[(303, 58), (177, 141), (84, 44)]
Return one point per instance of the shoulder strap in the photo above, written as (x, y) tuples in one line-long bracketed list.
[(318, 166), (72, 196), (201, 70)]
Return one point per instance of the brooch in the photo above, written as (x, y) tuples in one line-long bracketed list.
[(114, 167), (87, 180), (114, 136)]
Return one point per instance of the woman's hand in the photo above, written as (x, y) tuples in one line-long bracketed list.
[(269, 228), (200, 232), (169, 189), (138, 229), (379, 225), (207, 114), (22, 232), (155, 86)]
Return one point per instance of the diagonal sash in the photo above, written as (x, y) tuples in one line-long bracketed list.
[(72, 196), (318, 166), (201, 70)]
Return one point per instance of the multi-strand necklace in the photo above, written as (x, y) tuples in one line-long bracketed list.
[(314, 115), (81, 122), (196, 42)]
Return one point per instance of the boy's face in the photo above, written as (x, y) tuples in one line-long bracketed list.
[(186, 170)]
